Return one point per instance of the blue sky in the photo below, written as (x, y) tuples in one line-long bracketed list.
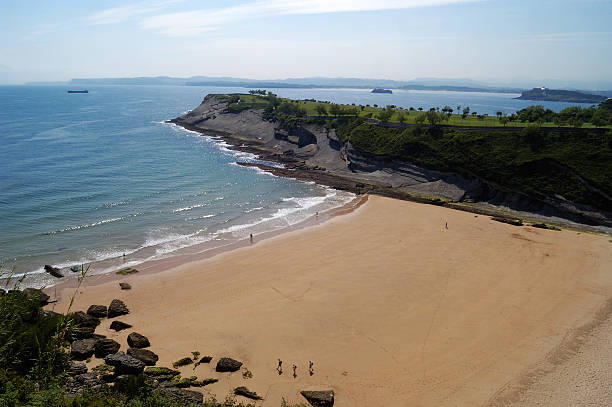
[(502, 41)]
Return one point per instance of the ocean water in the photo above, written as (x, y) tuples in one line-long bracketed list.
[(87, 178)]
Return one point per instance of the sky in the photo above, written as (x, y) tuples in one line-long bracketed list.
[(506, 42)]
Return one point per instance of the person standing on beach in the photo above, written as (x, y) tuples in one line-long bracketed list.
[(251, 237), (294, 368), (310, 369), (280, 365)]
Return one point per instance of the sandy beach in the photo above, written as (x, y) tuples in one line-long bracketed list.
[(393, 308)]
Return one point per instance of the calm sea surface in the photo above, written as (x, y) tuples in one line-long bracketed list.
[(87, 178)]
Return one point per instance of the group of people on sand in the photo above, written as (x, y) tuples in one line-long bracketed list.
[(279, 368)]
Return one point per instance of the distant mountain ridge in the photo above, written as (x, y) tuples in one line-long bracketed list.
[(427, 84)]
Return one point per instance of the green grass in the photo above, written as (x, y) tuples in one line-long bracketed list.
[(240, 102)]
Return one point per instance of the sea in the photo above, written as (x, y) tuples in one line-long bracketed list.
[(100, 180)]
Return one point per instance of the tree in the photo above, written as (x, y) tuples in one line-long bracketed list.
[(385, 114), (434, 118), (420, 109), (321, 110), (420, 119), (335, 110), (401, 117), (504, 120), (465, 112), (447, 110), (499, 114), (458, 108)]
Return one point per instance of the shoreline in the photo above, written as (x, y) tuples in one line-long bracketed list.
[(296, 169), (392, 307), (203, 251)]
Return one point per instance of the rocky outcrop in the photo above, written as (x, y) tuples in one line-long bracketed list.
[(125, 364), (136, 340), (76, 369), (117, 308), (43, 298), (98, 311), (54, 271), (188, 396), (228, 365), (125, 286), (148, 357), (319, 398), (119, 326), (82, 319), (82, 349), (244, 392), (161, 374), (105, 347)]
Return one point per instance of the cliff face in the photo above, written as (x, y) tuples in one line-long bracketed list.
[(311, 152)]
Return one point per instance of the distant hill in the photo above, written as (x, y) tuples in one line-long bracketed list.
[(561, 96)]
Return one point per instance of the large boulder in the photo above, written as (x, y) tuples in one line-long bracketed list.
[(125, 364), (244, 392), (43, 298), (54, 271), (136, 340), (82, 319), (125, 286), (119, 326), (105, 347), (228, 365), (323, 398), (149, 358), (84, 332), (76, 369), (98, 311), (116, 308), (82, 349), (161, 374), (188, 396)]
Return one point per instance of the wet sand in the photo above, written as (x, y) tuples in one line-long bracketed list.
[(391, 306)]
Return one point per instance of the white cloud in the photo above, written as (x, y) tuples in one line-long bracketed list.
[(198, 21), (123, 13)]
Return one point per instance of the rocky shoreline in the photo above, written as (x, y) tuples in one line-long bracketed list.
[(312, 153)]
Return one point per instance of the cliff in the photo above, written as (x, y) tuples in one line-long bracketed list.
[(309, 151)]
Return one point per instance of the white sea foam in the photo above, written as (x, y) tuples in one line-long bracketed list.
[(188, 208), (87, 225)]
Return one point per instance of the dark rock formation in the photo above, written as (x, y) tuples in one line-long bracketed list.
[(84, 332), (243, 391), (161, 374), (513, 222), (228, 365), (77, 368), (75, 269), (42, 297), (125, 364), (82, 349), (319, 398), (544, 226), (125, 286), (149, 358), (87, 380), (54, 271), (98, 311), (116, 308), (188, 396), (119, 326), (105, 347), (182, 362), (136, 340), (82, 319)]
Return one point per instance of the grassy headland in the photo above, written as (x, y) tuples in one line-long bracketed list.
[(536, 155)]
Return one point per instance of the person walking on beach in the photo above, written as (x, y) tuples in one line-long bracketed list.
[(280, 366), (446, 225), (251, 237), (294, 373), (310, 369)]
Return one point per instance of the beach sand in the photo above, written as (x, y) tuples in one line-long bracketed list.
[(393, 308)]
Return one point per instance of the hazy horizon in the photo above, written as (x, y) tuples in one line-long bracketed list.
[(563, 43)]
